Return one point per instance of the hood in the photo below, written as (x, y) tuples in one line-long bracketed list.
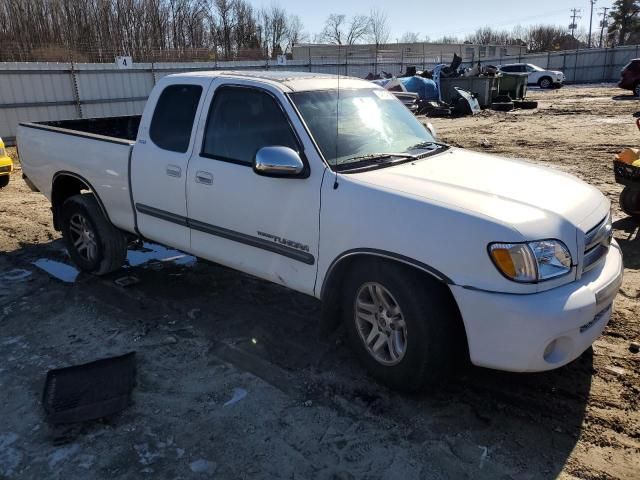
[(527, 197)]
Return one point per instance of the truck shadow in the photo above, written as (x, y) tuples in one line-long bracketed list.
[(629, 241), (485, 424)]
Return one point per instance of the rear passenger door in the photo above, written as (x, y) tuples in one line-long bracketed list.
[(160, 159), (261, 225)]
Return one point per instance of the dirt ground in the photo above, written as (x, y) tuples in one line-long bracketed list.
[(234, 382)]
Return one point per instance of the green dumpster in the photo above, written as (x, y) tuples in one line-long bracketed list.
[(486, 88), (514, 85)]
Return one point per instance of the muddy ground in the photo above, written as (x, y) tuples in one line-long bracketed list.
[(234, 382)]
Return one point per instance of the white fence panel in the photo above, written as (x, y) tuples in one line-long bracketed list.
[(55, 91)]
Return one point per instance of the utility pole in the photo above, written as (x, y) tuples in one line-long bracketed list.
[(590, 22), (603, 23), (573, 25)]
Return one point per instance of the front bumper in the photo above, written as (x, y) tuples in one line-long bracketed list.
[(542, 331)]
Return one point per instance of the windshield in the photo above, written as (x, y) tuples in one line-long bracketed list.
[(372, 122)]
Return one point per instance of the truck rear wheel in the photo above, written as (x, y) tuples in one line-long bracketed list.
[(4, 181), (401, 327), (93, 243)]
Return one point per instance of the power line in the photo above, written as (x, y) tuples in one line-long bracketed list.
[(573, 25), (603, 23)]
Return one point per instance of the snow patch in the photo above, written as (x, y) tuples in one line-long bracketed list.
[(59, 270), (157, 252)]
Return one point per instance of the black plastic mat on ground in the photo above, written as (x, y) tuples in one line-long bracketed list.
[(90, 391)]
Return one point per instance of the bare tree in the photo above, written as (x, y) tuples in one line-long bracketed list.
[(295, 34), (358, 29), (333, 29), (379, 32), (410, 37)]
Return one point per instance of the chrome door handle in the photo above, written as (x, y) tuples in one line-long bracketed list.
[(204, 178), (174, 171)]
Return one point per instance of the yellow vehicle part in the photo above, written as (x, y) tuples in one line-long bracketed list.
[(6, 164)]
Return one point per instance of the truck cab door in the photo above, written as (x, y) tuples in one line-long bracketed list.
[(160, 158), (265, 226)]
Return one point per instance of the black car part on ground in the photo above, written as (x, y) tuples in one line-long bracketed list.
[(89, 391)]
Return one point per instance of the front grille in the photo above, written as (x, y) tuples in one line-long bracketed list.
[(596, 244)]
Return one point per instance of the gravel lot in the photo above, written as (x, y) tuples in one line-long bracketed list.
[(305, 409)]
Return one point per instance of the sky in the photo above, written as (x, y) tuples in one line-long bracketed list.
[(436, 18)]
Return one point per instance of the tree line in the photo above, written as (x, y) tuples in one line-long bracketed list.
[(98, 30), (92, 29)]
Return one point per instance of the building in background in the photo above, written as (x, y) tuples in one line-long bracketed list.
[(418, 52)]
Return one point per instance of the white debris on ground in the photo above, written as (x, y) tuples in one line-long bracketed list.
[(152, 251), (135, 258), (238, 394), (59, 270)]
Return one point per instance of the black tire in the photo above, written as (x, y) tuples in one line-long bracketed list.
[(630, 202), (502, 107), (636, 90), (545, 82), (435, 340), (4, 181), (110, 243), (525, 104)]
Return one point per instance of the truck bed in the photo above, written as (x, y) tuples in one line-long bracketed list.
[(96, 150), (123, 128)]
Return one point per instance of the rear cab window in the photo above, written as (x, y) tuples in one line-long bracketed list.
[(173, 117)]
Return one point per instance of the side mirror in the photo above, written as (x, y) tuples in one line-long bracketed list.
[(278, 162)]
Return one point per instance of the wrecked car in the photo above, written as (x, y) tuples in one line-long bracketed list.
[(426, 253)]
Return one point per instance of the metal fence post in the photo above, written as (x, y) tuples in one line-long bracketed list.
[(76, 91), (375, 64), (604, 66)]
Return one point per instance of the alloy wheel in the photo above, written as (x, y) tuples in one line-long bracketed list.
[(381, 324)]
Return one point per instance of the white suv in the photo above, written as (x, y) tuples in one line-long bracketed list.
[(537, 76)]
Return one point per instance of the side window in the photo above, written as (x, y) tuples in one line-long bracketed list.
[(173, 117), (507, 69), (241, 121)]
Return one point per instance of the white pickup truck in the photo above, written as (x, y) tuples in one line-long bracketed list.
[(428, 254)]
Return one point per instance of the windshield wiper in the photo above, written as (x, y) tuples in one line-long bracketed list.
[(373, 159), (425, 145)]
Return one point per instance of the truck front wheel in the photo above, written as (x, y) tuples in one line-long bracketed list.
[(402, 327), (93, 243)]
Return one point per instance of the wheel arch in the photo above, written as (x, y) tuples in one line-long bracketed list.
[(333, 281), (65, 185)]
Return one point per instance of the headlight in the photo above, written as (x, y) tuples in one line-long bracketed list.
[(531, 262)]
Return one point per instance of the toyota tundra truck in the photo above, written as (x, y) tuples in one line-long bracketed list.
[(426, 253)]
